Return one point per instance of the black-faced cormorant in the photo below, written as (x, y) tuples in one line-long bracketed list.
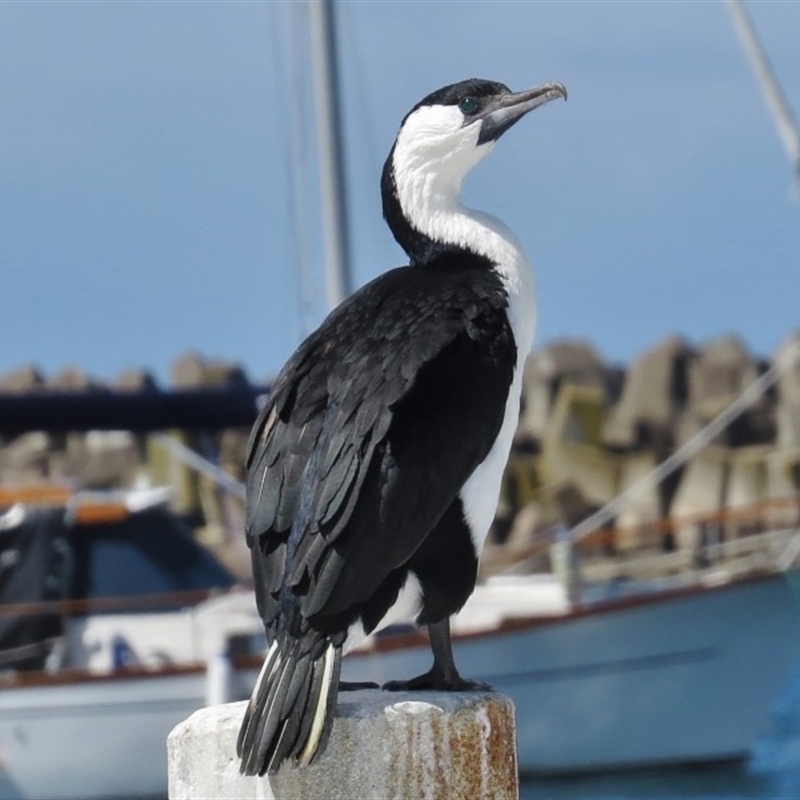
[(374, 470)]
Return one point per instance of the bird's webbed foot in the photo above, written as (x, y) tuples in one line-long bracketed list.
[(356, 686), (435, 680)]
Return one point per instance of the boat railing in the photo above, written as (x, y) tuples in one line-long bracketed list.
[(111, 604), (726, 523), (685, 550), (774, 550)]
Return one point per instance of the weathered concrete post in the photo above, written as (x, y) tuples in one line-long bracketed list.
[(383, 745)]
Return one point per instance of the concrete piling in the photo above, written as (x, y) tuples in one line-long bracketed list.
[(437, 745)]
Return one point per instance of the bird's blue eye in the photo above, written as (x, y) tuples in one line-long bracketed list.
[(469, 105)]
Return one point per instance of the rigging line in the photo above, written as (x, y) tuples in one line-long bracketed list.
[(692, 446), (774, 96), (288, 65), (300, 159), (277, 29), (354, 50), (200, 464)]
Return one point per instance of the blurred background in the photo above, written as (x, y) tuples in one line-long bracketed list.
[(151, 184), (161, 242)]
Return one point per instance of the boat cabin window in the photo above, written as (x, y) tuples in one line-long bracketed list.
[(151, 552)]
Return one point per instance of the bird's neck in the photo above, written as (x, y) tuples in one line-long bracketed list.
[(424, 211), (426, 216)]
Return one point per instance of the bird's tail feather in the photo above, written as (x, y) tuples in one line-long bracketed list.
[(291, 709)]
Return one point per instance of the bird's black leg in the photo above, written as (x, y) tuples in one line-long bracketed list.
[(443, 675)]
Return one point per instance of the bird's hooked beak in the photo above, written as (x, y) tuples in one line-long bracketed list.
[(507, 109)]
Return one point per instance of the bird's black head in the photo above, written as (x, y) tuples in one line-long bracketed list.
[(492, 104), (440, 140), (469, 96)]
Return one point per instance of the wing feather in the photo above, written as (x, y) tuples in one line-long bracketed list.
[(359, 451)]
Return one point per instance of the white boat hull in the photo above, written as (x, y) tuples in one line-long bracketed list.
[(687, 677), (97, 737)]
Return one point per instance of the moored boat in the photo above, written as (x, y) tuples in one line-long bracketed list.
[(683, 675), (664, 659), (112, 622)]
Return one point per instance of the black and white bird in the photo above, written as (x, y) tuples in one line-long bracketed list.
[(374, 471)]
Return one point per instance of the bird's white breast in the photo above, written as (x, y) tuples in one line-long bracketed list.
[(480, 493)]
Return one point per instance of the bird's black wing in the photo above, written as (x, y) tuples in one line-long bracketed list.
[(372, 428)]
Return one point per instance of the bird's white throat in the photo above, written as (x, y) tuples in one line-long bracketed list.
[(432, 156)]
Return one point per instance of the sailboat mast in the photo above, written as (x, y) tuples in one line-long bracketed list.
[(774, 96), (338, 281)]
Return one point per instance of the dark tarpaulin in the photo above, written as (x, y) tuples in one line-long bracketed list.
[(34, 565), (149, 410)]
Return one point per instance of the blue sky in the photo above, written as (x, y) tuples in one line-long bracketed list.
[(145, 193)]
